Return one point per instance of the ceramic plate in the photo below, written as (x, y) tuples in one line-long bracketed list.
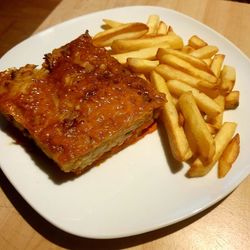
[(140, 189)]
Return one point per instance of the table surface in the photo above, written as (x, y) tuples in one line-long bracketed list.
[(225, 225)]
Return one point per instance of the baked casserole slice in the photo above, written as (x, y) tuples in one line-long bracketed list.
[(80, 105)]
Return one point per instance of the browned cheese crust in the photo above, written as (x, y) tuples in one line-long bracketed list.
[(79, 105)]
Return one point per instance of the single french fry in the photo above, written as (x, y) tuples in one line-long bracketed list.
[(196, 42), (169, 116), (162, 28), (147, 53), (123, 31), (153, 23), (194, 119), (191, 139), (232, 100), (187, 67), (204, 102), (229, 156), (216, 64), (217, 120), (228, 77), (170, 73), (191, 59), (204, 52), (221, 139), (120, 46), (141, 65)]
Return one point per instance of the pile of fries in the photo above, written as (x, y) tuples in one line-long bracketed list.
[(197, 85)]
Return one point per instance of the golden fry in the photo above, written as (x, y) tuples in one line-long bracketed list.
[(187, 67), (197, 86), (196, 42), (169, 73), (229, 156), (232, 100), (169, 116), (204, 102), (119, 46), (123, 31), (221, 139), (191, 139), (141, 65), (148, 53), (191, 59), (216, 64), (217, 120), (204, 52), (228, 77), (194, 119), (162, 28), (153, 24)]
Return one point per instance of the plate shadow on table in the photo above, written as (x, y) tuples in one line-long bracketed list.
[(69, 241)]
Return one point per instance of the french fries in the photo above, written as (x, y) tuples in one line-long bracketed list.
[(229, 156), (196, 123), (216, 121), (171, 73), (162, 28), (204, 102), (216, 64), (196, 42), (232, 100), (124, 45), (182, 55), (204, 52), (228, 77), (169, 116), (123, 31), (153, 24), (221, 140), (187, 67), (199, 88), (142, 65), (147, 53)]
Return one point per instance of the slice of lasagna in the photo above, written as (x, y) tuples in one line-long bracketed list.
[(81, 105)]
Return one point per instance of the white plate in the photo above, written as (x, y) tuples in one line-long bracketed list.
[(135, 191)]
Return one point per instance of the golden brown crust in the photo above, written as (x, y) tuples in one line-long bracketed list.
[(80, 99)]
